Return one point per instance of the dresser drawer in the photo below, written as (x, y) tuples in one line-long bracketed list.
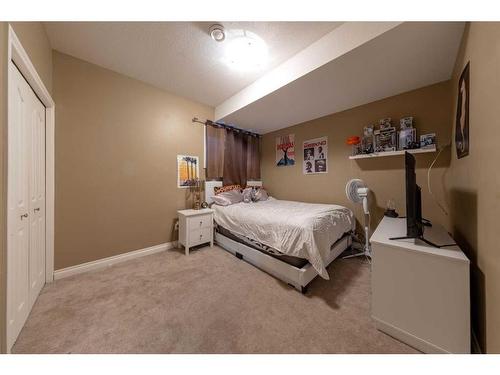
[(199, 236), (199, 222)]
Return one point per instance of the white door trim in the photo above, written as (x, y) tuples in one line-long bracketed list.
[(18, 55)]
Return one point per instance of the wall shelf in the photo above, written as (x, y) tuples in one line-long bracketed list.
[(393, 153)]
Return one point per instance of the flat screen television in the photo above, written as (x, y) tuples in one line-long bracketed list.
[(414, 225), (414, 221)]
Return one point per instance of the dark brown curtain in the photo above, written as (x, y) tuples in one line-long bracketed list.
[(215, 139), (232, 156), (235, 158), (253, 158)]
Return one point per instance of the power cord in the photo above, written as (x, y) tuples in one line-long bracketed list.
[(429, 179)]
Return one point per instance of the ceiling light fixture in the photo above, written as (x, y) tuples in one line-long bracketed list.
[(217, 32), (245, 50)]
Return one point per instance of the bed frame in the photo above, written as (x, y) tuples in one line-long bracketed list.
[(299, 278)]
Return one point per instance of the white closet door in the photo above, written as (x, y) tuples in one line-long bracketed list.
[(26, 193), (37, 198), (18, 202)]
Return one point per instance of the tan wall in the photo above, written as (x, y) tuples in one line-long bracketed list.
[(116, 146), (431, 108), (3, 179), (474, 181), (35, 41)]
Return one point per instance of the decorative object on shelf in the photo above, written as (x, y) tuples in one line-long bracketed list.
[(285, 150), (187, 170), (195, 188), (315, 153), (204, 205), (385, 136), (428, 140), (354, 141), (367, 146), (462, 118), (407, 134), (390, 209), (386, 140), (385, 123), (406, 122)]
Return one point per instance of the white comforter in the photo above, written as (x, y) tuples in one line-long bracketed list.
[(303, 230)]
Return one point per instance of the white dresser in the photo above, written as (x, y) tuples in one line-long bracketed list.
[(420, 294), (196, 227)]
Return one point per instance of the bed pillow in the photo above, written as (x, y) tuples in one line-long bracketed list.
[(229, 197), (260, 195), (223, 189)]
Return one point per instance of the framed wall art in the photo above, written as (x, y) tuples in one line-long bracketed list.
[(187, 170), (285, 150), (462, 118), (315, 156)]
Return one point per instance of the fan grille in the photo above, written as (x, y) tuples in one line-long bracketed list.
[(351, 190)]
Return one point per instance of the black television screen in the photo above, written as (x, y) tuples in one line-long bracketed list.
[(414, 227)]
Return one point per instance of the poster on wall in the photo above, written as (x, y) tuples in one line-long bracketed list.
[(462, 119), (315, 156), (285, 150), (187, 170)]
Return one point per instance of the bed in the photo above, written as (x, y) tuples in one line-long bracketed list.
[(293, 241)]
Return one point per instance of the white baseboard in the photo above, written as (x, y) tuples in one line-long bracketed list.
[(107, 262)]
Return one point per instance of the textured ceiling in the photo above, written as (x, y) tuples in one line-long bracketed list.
[(179, 57), (407, 57)]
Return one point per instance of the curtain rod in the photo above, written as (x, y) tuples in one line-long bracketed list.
[(229, 127)]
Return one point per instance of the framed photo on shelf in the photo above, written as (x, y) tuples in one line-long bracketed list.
[(407, 138), (428, 140)]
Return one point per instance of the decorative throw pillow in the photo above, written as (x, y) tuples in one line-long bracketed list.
[(247, 194), (223, 189), (229, 197), (260, 195)]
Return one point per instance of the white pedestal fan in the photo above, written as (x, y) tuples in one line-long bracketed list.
[(357, 192)]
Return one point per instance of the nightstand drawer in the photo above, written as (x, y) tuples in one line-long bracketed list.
[(199, 236), (199, 222)]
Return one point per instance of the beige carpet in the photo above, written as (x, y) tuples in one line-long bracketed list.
[(207, 302)]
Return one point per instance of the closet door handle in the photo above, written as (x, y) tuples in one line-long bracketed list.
[(23, 216), (36, 209)]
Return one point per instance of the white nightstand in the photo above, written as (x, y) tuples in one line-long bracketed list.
[(196, 227)]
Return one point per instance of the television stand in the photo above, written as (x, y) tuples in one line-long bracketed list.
[(420, 294), (421, 238), (425, 222)]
